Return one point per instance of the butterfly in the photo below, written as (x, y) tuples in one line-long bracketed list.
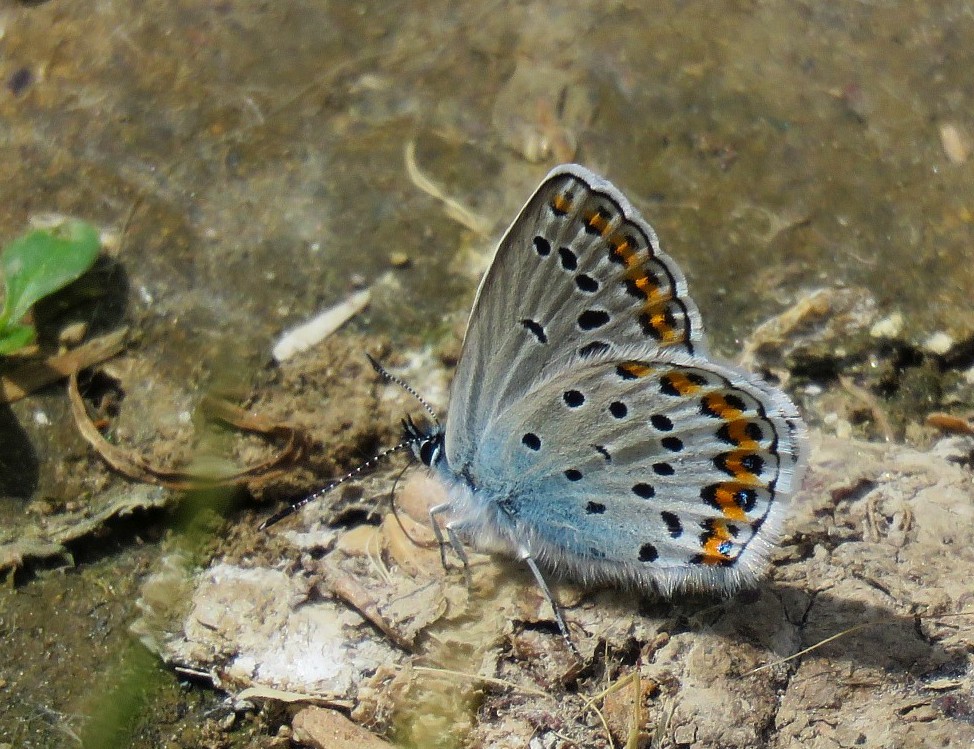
[(589, 433)]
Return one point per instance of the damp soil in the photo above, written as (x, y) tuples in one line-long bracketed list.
[(806, 164)]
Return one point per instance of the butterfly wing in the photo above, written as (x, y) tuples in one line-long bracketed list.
[(578, 274), (657, 469)]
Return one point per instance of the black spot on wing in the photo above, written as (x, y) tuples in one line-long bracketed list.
[(645, 491), (648, 553), (569, 260), (591, 319), (536, 329), (593, 348), (573, 398), (586, 283), (673, 525)]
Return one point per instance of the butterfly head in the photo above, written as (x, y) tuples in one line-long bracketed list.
[(425, 442)]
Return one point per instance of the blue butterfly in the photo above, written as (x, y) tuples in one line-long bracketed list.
[(588, 432)]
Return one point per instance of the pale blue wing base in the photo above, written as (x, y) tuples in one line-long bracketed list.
[(656, 470), (579, 273)]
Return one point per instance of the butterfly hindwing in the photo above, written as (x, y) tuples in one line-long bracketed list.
[(676, 474)]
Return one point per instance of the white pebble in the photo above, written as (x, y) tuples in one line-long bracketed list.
[(888, 327), (938, 343)]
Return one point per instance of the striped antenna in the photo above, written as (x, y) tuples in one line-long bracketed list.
[(385, 374), (279, 516)]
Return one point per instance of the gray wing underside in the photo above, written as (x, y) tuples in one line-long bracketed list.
[(675, 466), (579, 273)]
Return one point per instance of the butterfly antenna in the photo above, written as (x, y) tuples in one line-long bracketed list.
[(290, 510), (386, 375)]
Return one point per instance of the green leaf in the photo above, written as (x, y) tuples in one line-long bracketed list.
[(43, 261), (16, 337)]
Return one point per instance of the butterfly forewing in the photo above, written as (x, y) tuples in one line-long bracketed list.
[(578, 274)]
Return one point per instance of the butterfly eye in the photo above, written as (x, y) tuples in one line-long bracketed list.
[(429, 450)]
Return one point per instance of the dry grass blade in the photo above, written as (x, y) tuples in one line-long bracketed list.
[(811, 648), (632, 678), (872, 403), (454, 209)]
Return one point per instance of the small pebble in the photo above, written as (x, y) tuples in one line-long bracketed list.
[(73, 334), (888, 327), (955, 145), (939, 343), (399, 260), (322, 728)]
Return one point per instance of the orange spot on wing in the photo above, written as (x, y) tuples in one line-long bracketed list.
[(717, 405), (561, 204), (681, 383), (635, 369), (641, 281), (649, 287), (711, 548), (725, 497), (737, 431), (597, 221), (734, 461), (621, 248), (661, 324)]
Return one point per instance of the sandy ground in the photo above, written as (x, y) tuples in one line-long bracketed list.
[(807, 165)]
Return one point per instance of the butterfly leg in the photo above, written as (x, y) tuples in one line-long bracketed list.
[(525, 556), (454, 539)]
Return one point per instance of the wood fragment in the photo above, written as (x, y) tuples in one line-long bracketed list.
[(355, 595), (282, 695), (314, 331), (950, 424), (34, 375)]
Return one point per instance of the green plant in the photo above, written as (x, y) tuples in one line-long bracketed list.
[(35, 266)]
